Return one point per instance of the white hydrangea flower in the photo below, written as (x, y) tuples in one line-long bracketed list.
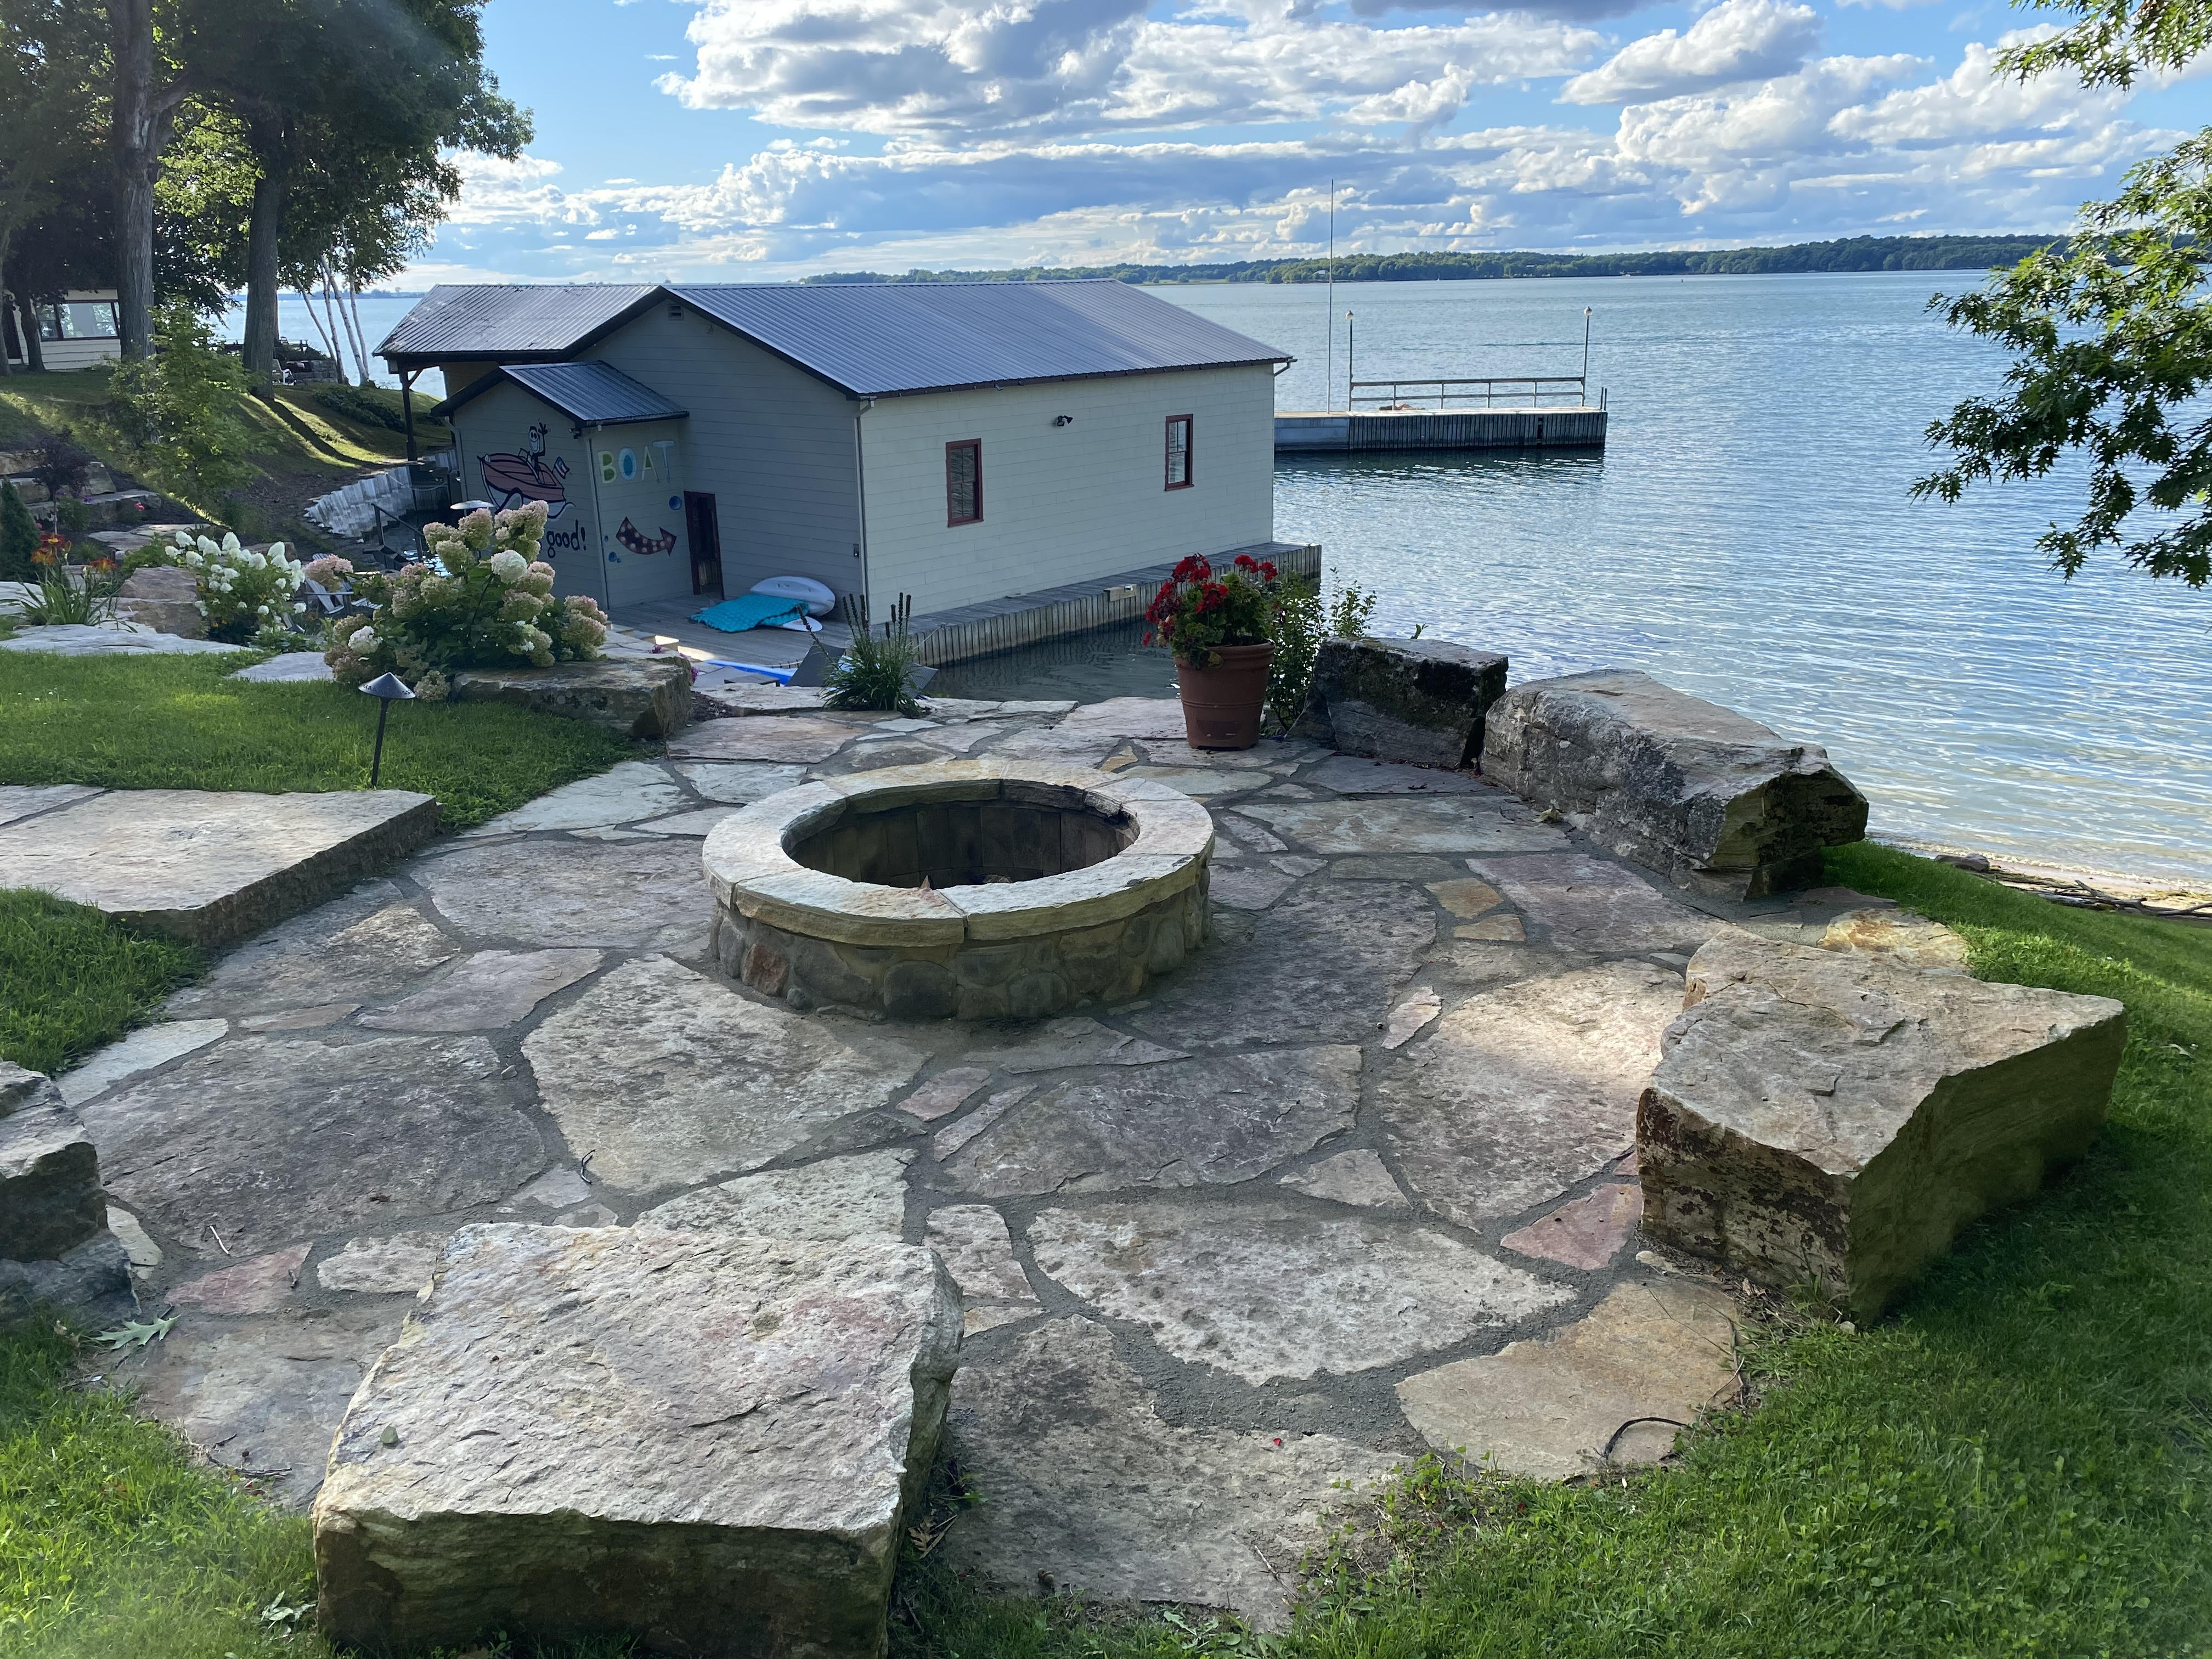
[(230, 541), (362, 640), (509, 565)]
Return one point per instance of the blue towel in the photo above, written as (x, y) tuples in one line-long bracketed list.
[(748, 610)]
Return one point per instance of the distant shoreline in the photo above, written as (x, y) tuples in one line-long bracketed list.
[(1848, 255), (1858, 253)]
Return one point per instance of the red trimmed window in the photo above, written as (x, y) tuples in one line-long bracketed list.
[(964, 482), (1179, 451)]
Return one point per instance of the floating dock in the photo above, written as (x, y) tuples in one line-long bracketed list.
[(1558, 427)]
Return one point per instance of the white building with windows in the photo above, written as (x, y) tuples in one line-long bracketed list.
[(958, 443), (77, 331)]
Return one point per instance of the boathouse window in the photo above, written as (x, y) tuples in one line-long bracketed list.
[(964, 482), (78, 319), (1179, 451)]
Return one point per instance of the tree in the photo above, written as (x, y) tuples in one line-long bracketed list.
[(355, 89), (148, 87), (19, 537), (49, 67), (2112, 332)]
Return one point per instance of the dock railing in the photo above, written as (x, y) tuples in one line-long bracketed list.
[(1492, 392)]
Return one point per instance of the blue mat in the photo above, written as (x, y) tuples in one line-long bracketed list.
[(748, 610)]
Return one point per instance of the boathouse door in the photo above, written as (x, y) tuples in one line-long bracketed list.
[(705, 534)]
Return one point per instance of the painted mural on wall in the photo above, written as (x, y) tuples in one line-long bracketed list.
[(638, 542), (512, 479)]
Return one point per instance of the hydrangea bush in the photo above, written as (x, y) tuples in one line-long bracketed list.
[(485, 601), (241, 592)]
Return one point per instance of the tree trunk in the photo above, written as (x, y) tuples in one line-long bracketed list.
[(34, 343), (360, 335), (9, 321), (307, 299), (338, 333), (138, 132), (270, 138)]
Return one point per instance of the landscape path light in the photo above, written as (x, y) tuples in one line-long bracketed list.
[(386, 689)]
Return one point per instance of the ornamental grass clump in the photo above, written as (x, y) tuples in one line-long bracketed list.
[(242, 592), (1196, 612), (485, 601)]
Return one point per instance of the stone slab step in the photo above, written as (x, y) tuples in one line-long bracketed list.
[(704, 1441), (212, 867)]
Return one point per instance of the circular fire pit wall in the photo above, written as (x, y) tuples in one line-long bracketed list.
[(967, 889)]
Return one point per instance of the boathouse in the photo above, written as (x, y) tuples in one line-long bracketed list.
[(958, 443)]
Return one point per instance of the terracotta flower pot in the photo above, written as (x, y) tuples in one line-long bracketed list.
[(1222, 705)]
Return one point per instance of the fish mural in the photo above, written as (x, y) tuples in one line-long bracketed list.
[(638, 542), (512, 479)]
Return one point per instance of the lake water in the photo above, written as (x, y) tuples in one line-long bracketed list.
[(379, 315), (1745, 536)]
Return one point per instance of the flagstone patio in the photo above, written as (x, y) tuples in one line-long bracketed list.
[(1223, 1247)]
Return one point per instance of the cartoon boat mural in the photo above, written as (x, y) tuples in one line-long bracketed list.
[(512, 479)]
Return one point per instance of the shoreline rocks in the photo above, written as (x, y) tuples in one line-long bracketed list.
[(1417, 700), (1710, 798), (1838, 1117)]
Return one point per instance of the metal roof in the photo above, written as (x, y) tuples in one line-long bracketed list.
[(884, 339), (595, 393), (456, 323)]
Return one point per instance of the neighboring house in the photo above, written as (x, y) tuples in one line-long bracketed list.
[(76, 332), (955, 442)]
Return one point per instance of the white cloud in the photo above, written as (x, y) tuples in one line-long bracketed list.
[(1066, 67), (1737, 40), (1727, 133), (1972, 102)]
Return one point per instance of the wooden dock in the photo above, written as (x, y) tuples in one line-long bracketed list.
[(1558, 427)]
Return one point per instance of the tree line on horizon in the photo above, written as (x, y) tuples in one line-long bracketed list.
[(1851, 253)]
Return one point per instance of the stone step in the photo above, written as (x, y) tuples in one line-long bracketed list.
[(707, 1442), (212, 867)]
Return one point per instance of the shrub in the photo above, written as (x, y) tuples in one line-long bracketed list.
[(241, 592), (63, 464), (1300, 623), (72, 516), (876, 671), (180, 407), (61, 600), (19, 537), (485, 602)]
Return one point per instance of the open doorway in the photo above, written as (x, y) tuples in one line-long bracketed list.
[(704, 533)]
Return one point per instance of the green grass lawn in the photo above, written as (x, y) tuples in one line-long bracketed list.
[(72, 979), (2013, 1463), (180, 723)]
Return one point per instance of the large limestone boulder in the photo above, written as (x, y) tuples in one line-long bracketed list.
[(704, 1441), (635, 697), (54, 1247), (1839, 1116), (163, 597), (50, 1196), (1420, 701), (1711, 799)]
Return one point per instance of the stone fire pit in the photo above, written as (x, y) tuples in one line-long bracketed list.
[(972, 889)]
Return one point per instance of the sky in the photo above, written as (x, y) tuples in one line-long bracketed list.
[(758, 140)]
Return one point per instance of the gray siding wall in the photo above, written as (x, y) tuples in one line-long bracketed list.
[(772, 444), (498, 424)]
